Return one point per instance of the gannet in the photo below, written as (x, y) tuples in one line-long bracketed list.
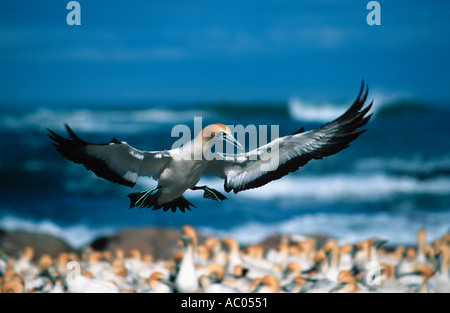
[(176, 170), (186, 278)]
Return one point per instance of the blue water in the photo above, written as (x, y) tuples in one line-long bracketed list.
[(390, 182)]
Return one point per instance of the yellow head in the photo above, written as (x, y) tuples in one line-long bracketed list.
[(217, 133)]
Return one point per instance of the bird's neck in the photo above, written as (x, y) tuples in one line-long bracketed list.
[(198, 149)]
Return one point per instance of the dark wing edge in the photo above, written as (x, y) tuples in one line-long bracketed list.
[(346, 131), (74, 149)]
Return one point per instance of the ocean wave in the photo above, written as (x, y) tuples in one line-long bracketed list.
[(312, 111), (97, 121), (397, 228), (417, 167), (343, 187), (77, 235), (370, 179)]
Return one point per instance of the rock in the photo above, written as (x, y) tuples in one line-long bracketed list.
[(160, 242), (11, 243)]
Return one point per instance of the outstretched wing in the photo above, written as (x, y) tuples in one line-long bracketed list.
[(286, 154), (115, 161)]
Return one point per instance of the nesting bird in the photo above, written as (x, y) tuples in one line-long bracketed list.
[(180, 169), (250, 268)]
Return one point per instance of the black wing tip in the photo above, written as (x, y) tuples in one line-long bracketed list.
[(301, 130), (74, 149), (114, 140), (349, 130)]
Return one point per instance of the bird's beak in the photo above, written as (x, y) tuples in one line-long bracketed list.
[(379, 243), (230, 139), (186, 240)]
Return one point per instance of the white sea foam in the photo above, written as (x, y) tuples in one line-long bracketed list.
[(343, 187), (416, 164), (313, 111), (77, 235), (98, 121), (397, 228)]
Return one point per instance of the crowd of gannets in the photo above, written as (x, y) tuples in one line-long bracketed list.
[(222, 266)]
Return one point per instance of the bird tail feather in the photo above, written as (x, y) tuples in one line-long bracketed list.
[(148, 199)]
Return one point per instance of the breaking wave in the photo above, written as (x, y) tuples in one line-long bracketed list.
[(310, 111)]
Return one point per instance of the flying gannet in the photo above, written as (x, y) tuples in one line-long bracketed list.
[(176, 170)]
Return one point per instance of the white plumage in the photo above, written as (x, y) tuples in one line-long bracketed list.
[(180, 169)]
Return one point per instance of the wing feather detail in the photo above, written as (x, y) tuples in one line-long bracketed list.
[(115, 161), (287, 154)]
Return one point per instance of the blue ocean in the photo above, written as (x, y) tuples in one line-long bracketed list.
[(393, 180)]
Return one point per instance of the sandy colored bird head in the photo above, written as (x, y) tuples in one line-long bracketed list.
[(300, 281), (319, 257), (119, 253), (331, 246), (293, 268), (421, 235), (134, 254), (45, 262), (347, 284), (12, 286), (189, 231), (239, 271), (363, 246), (232, 244), (255, 252), (216, 133), (62, 260), (346, 250), (27, 253), (216, 270), (212, 244), (148, 258), (118, 267), (88, 275), (268, 284)]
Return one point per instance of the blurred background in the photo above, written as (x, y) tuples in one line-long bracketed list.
[(135, 70)]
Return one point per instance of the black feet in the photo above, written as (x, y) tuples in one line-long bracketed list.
[(210, 193), (149, 199)]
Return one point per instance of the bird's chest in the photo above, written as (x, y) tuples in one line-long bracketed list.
[(183, 172)]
